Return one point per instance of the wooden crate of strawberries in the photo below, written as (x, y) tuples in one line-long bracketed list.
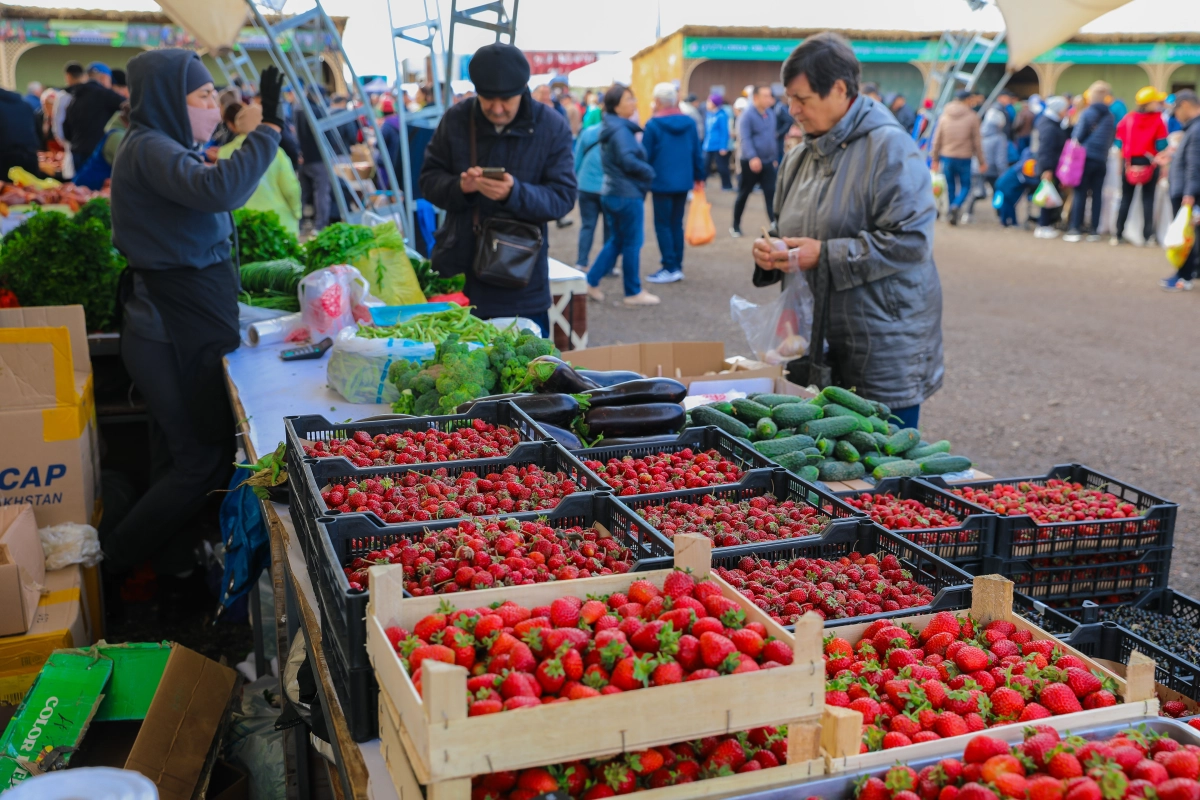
[(446, 737), (928, 711)]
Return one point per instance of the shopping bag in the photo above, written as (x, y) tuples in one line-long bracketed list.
[(700, 229), (778, 331), (334, 298), (1070, 163), (1046, 196), (939, 183), (1180, 237)]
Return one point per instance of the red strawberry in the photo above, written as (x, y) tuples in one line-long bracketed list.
[(1058, 698), (729, 753), (632, 673), (1083, 682), (971, 659), (1100, 699), (598, 792), (747, 641), (1064, 765), (642, 592), (980, 748), (437, 652), (1034, 711), (1007, 704), (679, 583), (427, 626), (1178, 789), (949, 724), (715, 648), (895, 739), (620, 777), (666, 672), (874, 789), (1173, 708), (645, 761), (565, 612), (1180, 764), (942, 622)]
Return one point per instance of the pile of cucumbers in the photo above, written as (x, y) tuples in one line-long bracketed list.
[(836, 436)]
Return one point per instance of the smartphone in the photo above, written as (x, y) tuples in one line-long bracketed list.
[(493, 172)]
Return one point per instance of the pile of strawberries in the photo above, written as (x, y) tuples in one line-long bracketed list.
[(1056, 501), (480, 554), (422, 496), (571, 649), (954, 678), (902, 515), (1134, 763), (666, 472), (478, 440), (729, 523), (668, 765), (853, 586)]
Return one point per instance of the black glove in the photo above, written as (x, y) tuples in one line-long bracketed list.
[(270, 87)]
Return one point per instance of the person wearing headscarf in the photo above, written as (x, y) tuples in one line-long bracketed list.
[(1050, 134), (1022, 127)]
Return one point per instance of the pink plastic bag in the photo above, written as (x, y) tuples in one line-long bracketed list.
[(334, 298), (1070, 163)]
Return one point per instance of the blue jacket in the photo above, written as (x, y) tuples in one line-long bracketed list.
[(535, 149), (1095, 131), (716, 130), (673, 150), (1185, 164), (627, 172), (1051, 136), (589, 170), (756, 134)]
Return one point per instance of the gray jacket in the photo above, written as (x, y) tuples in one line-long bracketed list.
[(995, 143), (1185, 164), (864, 191)]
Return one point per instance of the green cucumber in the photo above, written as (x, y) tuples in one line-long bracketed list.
[(943, 464), (797, 459), (880, 425), (834, 410), (863, 442), (920, 451), (809, 473), (880, 440), (831, 427), (897, 469), (707, 415), (844, 451), (783, 433), (777, 447), (840, 470), (819, 400), (766, 429), (881, 409), (772, 400), (873, 460), (893, 428), (902, 441), (825, 446), (793, 415), (749, 411), (724, 406), (843, 397)]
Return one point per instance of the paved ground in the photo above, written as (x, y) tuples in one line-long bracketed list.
[(1055, 352)]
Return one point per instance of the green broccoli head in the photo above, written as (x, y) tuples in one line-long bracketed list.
[(402, 373), (530, 346), (426, 404), (425, 380)]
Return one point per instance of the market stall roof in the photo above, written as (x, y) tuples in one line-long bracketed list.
[(236, 10), (1034, 26), (214, 23), (604, 71)]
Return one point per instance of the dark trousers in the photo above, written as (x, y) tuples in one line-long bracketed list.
[(958, 179), (1190, 267), (315, 187), (747, 180), (909, 416), (185, 469), (1092, 183), (1127, 192), (589, 213), (714, 160), (668, 227), (627, 217)]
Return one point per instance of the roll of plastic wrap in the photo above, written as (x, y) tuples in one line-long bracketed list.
[(93, 783), (272, 331)]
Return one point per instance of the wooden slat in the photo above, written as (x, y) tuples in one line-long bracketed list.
[(841, 731), (1139, 677), (991, 598)]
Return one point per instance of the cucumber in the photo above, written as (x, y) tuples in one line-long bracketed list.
[(936, 448), (902, 441), (825, 446), (880, 425), (707, 415), (831, 427), (844, 451), (777, 447), (797, 459), (840, 470), (863, 442), (881, 409), (897, 469), (834, 410), (809, 473), (724, 406), (872, 460), (880, 439), (772, 400), (843, 397), (893, 428), (749, 411), (819, 400), (783, 433), (766, 429), (943, 464), (793, 415)]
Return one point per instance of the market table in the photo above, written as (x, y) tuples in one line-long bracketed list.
[(567, 283)]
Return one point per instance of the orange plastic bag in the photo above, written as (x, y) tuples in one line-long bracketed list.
[(700, 229)]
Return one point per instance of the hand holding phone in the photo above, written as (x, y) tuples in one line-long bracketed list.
[(493, 172)]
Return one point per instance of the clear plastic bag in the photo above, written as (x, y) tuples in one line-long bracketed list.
[(334, 298), (70, 543), (1180, 238), (778, 331), (1046, 196), (358, 367)]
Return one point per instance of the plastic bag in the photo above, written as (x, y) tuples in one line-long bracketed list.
[(1070, 163), (334, 298), (1135, 222), (700, 229), (387, 268), (1180, 238), (70, 543), (1046, 196), (778, 331), (358, 367), (939, 183)]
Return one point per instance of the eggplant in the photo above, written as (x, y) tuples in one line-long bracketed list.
[(552, 374), (637, 441), (643, 390), (555, 409), (610, 378), (563, 437), (646, 419), (465, 407)]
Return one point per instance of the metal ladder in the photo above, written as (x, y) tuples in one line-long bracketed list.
[(237, 64), (302, 70)]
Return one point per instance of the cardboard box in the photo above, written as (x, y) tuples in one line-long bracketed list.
[(59, 623), (22, 569), (47, 415), (683, 361)]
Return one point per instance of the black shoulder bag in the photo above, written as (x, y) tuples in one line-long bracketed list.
[(506, 250)]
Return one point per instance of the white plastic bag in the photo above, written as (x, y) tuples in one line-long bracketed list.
[(334, 298), (778, 331), (358, 367), (1046, 196), (70, 543)]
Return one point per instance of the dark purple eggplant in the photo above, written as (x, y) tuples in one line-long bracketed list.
[(637, 441), (563, 437), (556, 409), (610, 378), (549, 374), (643, 390), (647, 419), (465, 407)]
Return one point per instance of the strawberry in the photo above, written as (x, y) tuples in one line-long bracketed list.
[(1100, 699), (537, 780), (632, 673), (1178, 789), (971, 659), (747, 641), (894, 739), (1064, 765), (729, 753), (620, 778), (590, 611), (1180, 764), (778, 651), (873, 789), (1045, 787), (642, 592), (980, 748), (565, 612), (679, 583), (1038, 746), (1174, 708), (949, 724), (974, 791), (1007, 704), (644, 762), (715, 648), (551, 675), (666, 672), (1034, 711), (942, 622), (1059, 698), (1082, 682), (429, 625), (437, 652), (598, 791)]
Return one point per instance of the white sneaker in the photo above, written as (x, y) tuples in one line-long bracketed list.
[(1045, 232), (642, 298), (1073, 236), (1093, 237), (594, 293), (1116, 241), (666, 276)]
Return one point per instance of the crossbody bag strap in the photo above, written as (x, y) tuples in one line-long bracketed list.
[(475, 212)]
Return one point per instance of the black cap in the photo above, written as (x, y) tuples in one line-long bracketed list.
[(499, 70), (118, 77), (962, 94)]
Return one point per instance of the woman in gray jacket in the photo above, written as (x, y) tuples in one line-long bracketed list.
[(854, 205)]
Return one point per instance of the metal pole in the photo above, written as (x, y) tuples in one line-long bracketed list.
[(405, 157)]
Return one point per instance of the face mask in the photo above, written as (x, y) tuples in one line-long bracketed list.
[(204, 121)]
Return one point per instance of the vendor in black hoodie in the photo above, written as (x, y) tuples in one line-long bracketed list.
[(171, 220)]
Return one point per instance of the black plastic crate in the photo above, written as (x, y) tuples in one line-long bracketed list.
[(698, 439), (1070, 578), (1053, 620), (347, 536), (358, 694), (967, 542), (778, 482), (951, 585), (1111, 642), (1018, 536)]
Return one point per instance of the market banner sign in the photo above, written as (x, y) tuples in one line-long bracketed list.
[(542, 62), (106, 33)]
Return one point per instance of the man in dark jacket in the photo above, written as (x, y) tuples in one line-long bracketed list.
[(529, 145), (1048, 140), (1185, 182), (1095, 130), (315, 186), (756, 137), (673, 149), (93, 105), (18, 134), (901, 111)]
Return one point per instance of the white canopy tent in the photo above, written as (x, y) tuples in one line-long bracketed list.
[(604, 71), (1035, 26), (214, 23)]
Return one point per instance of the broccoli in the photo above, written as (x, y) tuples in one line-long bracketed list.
[(530, 347), (405, 404), (426, 405), (402, 373)]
